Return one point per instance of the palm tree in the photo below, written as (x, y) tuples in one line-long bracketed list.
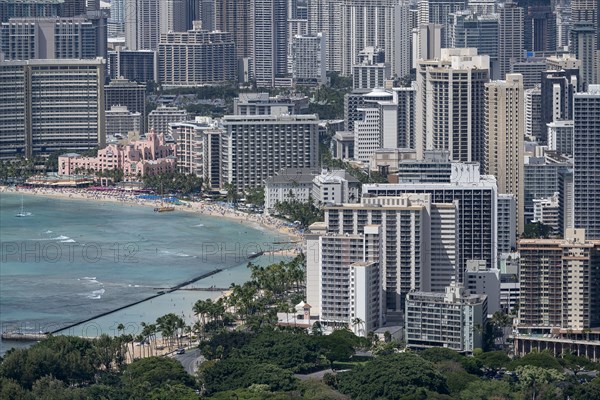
[(357, 322), (501, 320)]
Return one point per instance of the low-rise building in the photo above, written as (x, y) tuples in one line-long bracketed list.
[(546, 211), (455, 319), (137, 159), (335, 187), (307, 184), (290, 184)]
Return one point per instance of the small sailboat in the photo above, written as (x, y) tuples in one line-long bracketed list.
[(162, 207), (23, 213)]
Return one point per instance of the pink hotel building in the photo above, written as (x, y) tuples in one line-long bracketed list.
[(143, 157)]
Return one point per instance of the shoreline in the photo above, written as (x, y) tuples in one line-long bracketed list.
[(210, 209)]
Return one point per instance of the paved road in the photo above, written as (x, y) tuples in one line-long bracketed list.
[(190, 360)]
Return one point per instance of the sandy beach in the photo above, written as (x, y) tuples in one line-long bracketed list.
[(200, 207), (127, 199)]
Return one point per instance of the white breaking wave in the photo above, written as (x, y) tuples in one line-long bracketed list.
[(96, 294), (68, 241), (175, 254)]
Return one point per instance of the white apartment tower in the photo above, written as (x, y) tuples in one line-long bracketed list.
[(344, 278), (419, 240), (426, 43), (324, 17), (438, 12), (504, 137), (367, 23), (173, 16), (309, 59), (449, 105)]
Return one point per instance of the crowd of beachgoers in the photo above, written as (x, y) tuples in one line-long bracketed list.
[(211, 208)]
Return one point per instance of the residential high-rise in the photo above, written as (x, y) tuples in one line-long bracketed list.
[(540, 28), (174, 16), (507, 223), (445, 319), (160, 119), (542, 180), (199, 149), (237, 18), (347, 287), (586, 155), (50, 38), (196, 57), (134, 65), (419, 240), (116, 22), (371, 71), (366, 23), (270, 42), (256, 147), (449, 105), (309, 59), (426, 43), (559, 282), (438, 12), (531, 68), (467, 29), (51, 105), (29, 8), (122, 92), (557, 91), (324, 16), (142, 24), (405, 125), (397, 119), (504, 137), (586, 11), (560, 137), (477, 209), (368, 136), (400, 62), (583, 46), (533, 113), (510, 36), (120, 121)]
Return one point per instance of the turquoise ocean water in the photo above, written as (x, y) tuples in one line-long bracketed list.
[(73, 259)]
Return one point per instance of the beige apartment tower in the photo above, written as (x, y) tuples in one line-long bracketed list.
[(504, 136)]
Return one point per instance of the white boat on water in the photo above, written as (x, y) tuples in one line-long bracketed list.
[(23, 213)]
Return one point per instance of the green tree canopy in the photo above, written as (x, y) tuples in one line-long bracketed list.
[(392, 377)]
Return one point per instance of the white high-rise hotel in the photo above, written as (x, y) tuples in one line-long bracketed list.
[(450, 106)]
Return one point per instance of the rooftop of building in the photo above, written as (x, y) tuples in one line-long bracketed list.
[(230, 119), (296, 175)]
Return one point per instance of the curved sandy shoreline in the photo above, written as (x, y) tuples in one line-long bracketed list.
[(201, 207)]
